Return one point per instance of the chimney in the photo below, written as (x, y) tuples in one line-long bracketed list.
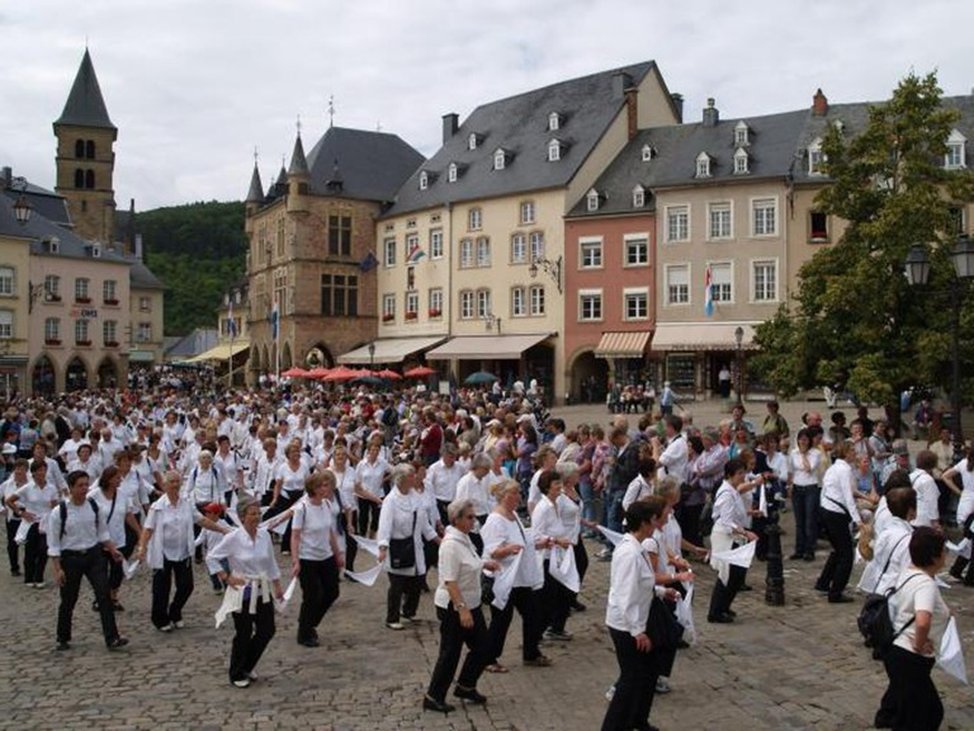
[(138, 247), (620, 82), (710, 114), (130, 229), (8, 176), (820, 104), (632, 111), (677, 100), (451, 123)]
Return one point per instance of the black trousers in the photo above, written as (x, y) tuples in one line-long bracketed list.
[(115, 573), (723, 595), (368, 517), (556, 601), (90, 564), (688, 517), (284, 501), (581, 560), (441, 506), (527, 602), (403, 597), (35, 555), (838, 566), (633, 697), (319, 590), (453, 636), (351, 545), (911, 702), (163, 611), (13, 550), (254, 632)]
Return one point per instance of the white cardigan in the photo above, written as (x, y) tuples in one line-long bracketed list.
[(188, 516)]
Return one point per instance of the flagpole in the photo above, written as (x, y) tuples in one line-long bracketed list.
[(233, 331)]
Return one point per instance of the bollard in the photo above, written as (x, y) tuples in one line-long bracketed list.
[(774, 594)]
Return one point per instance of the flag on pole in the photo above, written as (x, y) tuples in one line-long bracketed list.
[(368, 263), (415, 253), (708, 292), (231, 323), (275, 321)]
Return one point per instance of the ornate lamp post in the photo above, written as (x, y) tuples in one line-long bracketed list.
[(372, 357), (552, 268)]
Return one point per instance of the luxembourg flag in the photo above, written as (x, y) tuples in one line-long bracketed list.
[(708, 292), (415, 254), (275, 322), (231, 323)]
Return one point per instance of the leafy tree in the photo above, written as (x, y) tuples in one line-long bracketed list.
[(855, 319)]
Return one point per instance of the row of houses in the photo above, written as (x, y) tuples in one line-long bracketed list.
[(583, 234)]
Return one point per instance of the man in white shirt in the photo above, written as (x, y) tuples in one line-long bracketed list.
[(927, 492), (672, 459), (442, 478), (891, 550)]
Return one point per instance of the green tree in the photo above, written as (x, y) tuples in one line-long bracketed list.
[(855, 318)]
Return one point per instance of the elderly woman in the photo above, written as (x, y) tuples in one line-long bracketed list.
[(547, 523), (204, 483), (317, 552), (920, 617), (288, 488), (475, 486), (345, 494), (730, 517), (252, 565), (457, 601), (119, 512), (403, 523), (506, 541), (370, 473), (32, 502), (167, 543)]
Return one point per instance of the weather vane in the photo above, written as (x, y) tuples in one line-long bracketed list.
[(331, 110), (299, 125), (255, 156)]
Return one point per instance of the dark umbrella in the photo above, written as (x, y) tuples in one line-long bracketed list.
[(369, 381), (479, 378)]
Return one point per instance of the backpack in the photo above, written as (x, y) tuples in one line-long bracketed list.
[(876, 624), (63, 510)]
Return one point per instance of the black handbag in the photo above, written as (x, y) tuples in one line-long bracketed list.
[(662, 628), (486, 589), (402, 551)]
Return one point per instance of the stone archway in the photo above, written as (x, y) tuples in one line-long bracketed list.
[(286, 357), (76, 375), (265, 361), (589, 377), (107, 374), (43, 378), (319, 356)]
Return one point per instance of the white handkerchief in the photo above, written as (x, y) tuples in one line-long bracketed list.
[(367, 577), (504, 581), (611, 535), (21, 537), (763, 501), (563, 569), (951, 655), (941, 583), (129, 569), (958, 547), (280, 605), (741, 556), (684, 615), (367, 544)]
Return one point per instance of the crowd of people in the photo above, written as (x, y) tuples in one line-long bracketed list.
[(503, 502)]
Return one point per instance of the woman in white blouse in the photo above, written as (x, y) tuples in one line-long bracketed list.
[(119, 512), (920, 617), (839, 509), (252, 566), (520, 580), (370, 473), (546, 522), (317, 554), (475, 486), (730, 516), (345, 490), (803, 466), (403, 523), (457, 601), (167, 544), (631, 589), (965, 509), (288, 488)]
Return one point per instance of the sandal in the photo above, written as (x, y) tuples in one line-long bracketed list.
[(496, 668)]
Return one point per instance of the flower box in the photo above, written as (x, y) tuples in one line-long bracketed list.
[(51, 341), (52, 297), (83, 343), (388, 318), (83, 300), (111, 344), (412, 315), (436, 313), (111, 302)]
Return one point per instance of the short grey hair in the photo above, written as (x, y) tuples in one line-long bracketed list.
[(457, 508), (244, 504), (400, 472), (566, 469), (481, 460)]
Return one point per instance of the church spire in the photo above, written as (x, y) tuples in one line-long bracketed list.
[(85, 106), (256, 192), (299, 163)]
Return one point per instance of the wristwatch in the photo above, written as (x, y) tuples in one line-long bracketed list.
[(461, 605)]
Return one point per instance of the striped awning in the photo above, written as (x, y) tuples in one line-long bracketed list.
[(622, 344)]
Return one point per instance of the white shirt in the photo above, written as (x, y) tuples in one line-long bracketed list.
[(729, 511), (345, 485), (172, 531), (631, 585), (571, 517), (498, 531), (69, 450), (800, 475), (470, 488), (966, 505), (442, 480), (674, 458), (247, 556), (265, 473), (83, 529), (927, 495), (92, 467), (838, 488), (232, 474), (204, 486), (891, 554), (637, 490), (292, 481), (459, 563), (113, 515), (316, 524), (547, 523), (920, 593), (396, 521), (37, 499), (370, 475)]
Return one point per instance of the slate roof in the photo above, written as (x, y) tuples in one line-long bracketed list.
[(85, 106), (256, 192), (372, 165), (140, 277), (299, 164), (519, 125), (45, 202)]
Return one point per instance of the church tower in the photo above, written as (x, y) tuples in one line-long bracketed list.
[(85, 160)]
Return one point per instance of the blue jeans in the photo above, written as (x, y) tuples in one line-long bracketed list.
[(587, 493), (804, 501), (613, 510)]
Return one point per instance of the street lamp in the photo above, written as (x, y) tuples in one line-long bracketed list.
[(491, 320), (917, 271), (22, 207), (738, 339), (372, 357), (553, 268)]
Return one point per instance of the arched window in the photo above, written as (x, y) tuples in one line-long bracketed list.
[(79, 149), (79, 178), (89, 178), (90, 149)]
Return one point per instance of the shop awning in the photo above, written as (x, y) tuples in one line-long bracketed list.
[(672, 336), (141, 356), (622, 344), (486, 347), (224, 351), (389, 350)]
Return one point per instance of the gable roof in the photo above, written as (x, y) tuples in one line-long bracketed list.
[(519, 125), (44, 202), (85, 106), (371, 165)]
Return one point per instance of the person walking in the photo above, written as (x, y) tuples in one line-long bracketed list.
[(77, 537), (730, 516), (32, 502), (838, 510)]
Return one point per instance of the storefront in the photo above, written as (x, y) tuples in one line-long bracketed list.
[(691, 355)]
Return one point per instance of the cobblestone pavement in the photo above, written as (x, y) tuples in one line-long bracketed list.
[(795, 667)]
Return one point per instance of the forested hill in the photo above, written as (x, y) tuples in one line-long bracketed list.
[(198, 251)]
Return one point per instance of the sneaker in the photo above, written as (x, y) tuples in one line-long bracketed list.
[(285, 552), (404, 620), (118, 643), (253, 676), (39, 584), (179, 624), (62, 646), (553, 635), (166, 627), (242, 683), (395, 625), (610, 693), (662, 685)]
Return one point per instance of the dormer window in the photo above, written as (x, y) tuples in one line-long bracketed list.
[(954, 159), (451, 173), (839, 126), (741, 134), (648, 153), (500, 159), (638, 197), (741, 162), (815, 157), (554, 121), (592, 200), (703, 165), (95, 250), (554, 151), (472, 141), (423, 180)]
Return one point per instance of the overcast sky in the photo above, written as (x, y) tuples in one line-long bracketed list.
[(195, 85)]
